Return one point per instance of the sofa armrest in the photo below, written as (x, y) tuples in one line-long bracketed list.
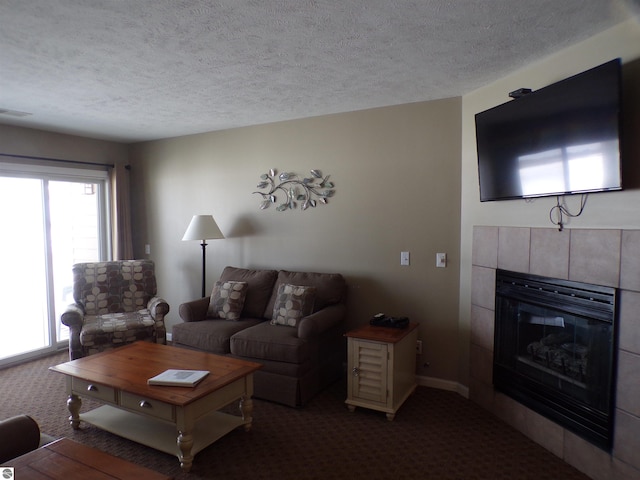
[(158, 308), (73, 316), (20, 434), (195, 310), (313, 325)]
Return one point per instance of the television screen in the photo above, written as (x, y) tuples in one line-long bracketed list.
[(558, 140)]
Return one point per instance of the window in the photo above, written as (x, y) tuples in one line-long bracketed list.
[(51, 218)]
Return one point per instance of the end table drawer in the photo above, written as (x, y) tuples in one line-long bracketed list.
[(95, 390), (145, 406)]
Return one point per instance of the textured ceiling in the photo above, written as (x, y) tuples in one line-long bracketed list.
[(132, 70)]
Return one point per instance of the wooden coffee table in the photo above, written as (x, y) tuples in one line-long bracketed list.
[(65, 459), (177, 420)]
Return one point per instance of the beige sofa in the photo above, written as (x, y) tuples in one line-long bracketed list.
[(298, 361)]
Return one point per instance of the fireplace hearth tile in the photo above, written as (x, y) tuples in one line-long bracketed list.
[(481, 393), (483, 287), (550, 252), (623, 471), (482, 327), (481, 364), (626, 444), (629, 338), (586, 457), (510, 411), (628, 395), (485, 246), (630, 268), (544, 432), (513, 248), (594, 256)]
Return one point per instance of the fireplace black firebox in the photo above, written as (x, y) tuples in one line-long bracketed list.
[(554, 351)]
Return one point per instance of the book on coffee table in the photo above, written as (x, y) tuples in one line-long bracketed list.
[(178, 378)]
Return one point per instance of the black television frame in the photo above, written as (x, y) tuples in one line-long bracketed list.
[(589, 100)]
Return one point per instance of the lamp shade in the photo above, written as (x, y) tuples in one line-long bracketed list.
[(202, 227)]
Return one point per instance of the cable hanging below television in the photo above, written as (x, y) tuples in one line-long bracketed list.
[(561, 210)]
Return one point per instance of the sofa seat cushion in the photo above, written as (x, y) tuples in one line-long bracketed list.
[(271, 342), (210, 335), (116, 328)]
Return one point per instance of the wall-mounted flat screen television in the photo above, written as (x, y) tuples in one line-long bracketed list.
[(561, 139)]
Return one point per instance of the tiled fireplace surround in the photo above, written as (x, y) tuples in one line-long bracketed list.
[(603, 257)]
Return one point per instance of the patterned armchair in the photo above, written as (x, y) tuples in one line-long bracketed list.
[(115, 304)]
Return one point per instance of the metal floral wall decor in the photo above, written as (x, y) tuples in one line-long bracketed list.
[(305, 193)]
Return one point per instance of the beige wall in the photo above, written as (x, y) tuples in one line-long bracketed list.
[(603, 210), (38, 143), (397, 180)]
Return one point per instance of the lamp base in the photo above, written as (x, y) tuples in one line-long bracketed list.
[(204, 254)]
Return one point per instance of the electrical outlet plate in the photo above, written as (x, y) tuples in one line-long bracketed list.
[(418, 347)]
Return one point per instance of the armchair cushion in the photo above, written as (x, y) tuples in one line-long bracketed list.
[(107, 287), (116, 328), (227, 300), (293, 302)]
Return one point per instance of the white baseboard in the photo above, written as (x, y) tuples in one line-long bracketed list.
[(443, 385), (423, 381)]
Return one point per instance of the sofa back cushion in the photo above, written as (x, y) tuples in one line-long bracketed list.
[(331, 288), (259, 288), (114, 287)]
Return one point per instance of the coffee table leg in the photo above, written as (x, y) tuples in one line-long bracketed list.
[(246, 408), (73, 404), (185, 442)]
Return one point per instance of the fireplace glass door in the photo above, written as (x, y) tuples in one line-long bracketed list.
[(554, 350)]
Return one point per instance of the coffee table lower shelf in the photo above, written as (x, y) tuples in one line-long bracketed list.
[(159, 434)]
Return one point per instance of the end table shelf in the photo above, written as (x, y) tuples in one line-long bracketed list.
[(381, 367)]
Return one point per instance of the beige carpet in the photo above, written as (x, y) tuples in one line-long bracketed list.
[(436, 435)]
